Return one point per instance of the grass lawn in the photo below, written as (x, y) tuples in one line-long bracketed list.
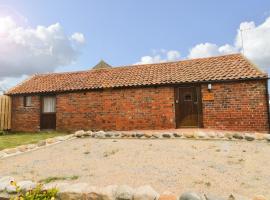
[(17, 139)]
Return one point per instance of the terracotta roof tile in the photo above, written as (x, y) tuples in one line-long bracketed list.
[(228, 67)]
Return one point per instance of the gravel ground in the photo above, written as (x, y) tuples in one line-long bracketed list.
[(176, 165)]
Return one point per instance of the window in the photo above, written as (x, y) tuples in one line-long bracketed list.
[(48, 104), (187, 97), (27, 101)]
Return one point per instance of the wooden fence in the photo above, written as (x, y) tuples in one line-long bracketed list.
[(5, 112)]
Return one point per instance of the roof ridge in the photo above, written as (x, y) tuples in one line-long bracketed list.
[(138, 65)]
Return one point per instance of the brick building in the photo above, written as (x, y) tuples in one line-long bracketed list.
[(224, 92)]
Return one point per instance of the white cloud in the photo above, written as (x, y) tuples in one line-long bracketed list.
[(25, 50), (256, 44), (160, 56), (78, 37)]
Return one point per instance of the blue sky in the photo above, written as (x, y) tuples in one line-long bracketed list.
[(123, 31)]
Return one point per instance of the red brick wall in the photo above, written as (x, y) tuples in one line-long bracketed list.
[(236, 106), (117, 109), (25, 118)]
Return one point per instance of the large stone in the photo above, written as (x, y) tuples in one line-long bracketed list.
[(250, 137), (22, 148), (177, 135), (51, 140), (259, 136), (188, 134), (88, 133), (124, 192), (32, 146), (11, 189), (201, 134), (238, 136), (139, 135), (190, 196), (145, 193), (2, 154), (60, 138), (5, 181), (41, 143), (26, 185), (259, 197), (166, 135), (11, 151), (100, 134), (108, 134), (267, 138), (79, 133), (220, 135), (148, 135), (229, 135), (211, 134)]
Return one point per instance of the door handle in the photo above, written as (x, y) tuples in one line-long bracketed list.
[(176, 101)]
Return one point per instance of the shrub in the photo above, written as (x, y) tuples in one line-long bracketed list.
[(36, 194)]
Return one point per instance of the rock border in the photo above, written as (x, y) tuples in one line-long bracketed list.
[(199, 135), (80, 191), (202, 135), (32, 147)]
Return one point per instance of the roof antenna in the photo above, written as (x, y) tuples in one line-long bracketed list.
[(242, 39)]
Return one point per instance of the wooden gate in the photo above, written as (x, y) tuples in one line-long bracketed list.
[(5, 112)]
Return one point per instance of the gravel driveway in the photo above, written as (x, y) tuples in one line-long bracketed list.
[(177, 165)]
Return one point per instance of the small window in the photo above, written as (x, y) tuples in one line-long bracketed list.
[(27, 101), (187, 97)]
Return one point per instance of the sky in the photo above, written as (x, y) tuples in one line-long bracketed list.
[(55, 36)]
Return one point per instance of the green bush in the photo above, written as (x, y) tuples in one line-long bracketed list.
[(36, 194)]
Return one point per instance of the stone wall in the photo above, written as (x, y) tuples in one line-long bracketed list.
[(238, 106)]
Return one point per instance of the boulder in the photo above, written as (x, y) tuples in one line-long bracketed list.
[(148, 135), (139, 135), (32, 146), (88, 133), (249, 137), (108, 134), (177, 135), (5, 181), (22, 148), (238, 136), (41, 143), (51, 140), (188, 134), (11, 151), (190, 196), (124, 192), (201, 134), (100, 134), (166, 135), (220, 135), (11, 189), (259, 197), (145, 193), (2, 154), (267, 138), (71, 196), (259, 136), (229, 135), (211, 134), (79, 133), (26, 185), (60, 138)]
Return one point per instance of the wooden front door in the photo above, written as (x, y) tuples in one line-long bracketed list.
[(187, 105), (48, 113)]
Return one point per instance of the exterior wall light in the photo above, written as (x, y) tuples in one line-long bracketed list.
[(209, 86)]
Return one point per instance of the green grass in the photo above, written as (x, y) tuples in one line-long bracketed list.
[(17, 139), (58, 178)]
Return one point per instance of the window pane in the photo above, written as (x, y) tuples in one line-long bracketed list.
[(48, 104), (28, 101)]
